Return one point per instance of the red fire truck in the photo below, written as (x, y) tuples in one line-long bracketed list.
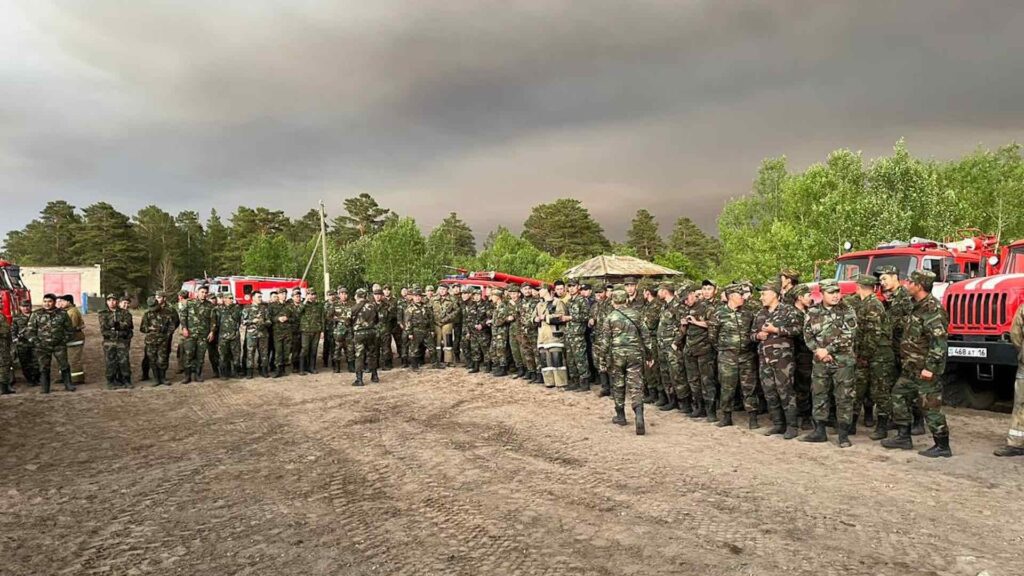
[(486, 280), (12, 289), (242, 287), (982, 360)]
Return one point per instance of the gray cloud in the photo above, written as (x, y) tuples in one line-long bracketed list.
[(484, 108)]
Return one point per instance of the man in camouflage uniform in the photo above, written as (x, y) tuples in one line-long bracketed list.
[(476, 316), (699, 356), (500, 320), (829, 331), (598, 310), (803, 358), (158, 326), (116, 325), (328, 328), (876, 366), (341, 319), (651, 313), (576, 318), (456, 297), (773, 329), (514, 303), (923, 363), (229, 344), (6, 357), (899, 306), (385, 314), (296, 326), (669, 340), (465, 303), (198, 329), (311, 322), (256, 324), (48, 329), (709, 292), (528, 333), (626, 341), (1015, 437), (365, 317), (730, 331), (788, 280), (23, 346), (282, 315)]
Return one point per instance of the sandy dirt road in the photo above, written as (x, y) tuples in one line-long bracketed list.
[(442, 472)]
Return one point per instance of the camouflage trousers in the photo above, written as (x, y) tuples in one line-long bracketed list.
[(27, 359), (257, 351), (457, 341), (385, 353), (602, 361), (328, 349), (927, 394), (804, 362), (480, 345), (700, 374), (877, 377), (465, 352), (194, 353), (1015, 437), (229, 356), (499, 345), (44, 354), (296, 350), (737, 371), (6, 361), (282, 347), (115, 353), (626, 372), (528, 349), (514, 340), (652, 374), (344, 349), (671, 372), (836, 381), (365, 349), (777, 369), (576, 355), (157, 353), (308, 348)]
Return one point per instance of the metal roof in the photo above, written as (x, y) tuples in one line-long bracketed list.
[(605, 266)]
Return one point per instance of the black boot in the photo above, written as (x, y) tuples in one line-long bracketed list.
[(584, 385), (373, 376), (671, 404), (940, 449), (606, 384), (502, 371), (65, 376), (1007, 451), (474, 367), (819, 434), (44, 382), (620, 416), (638, 411), (337, 368), (6, 388), (280, 371), (302, 367), (145, 374), (852, 429), (661, 398), (712, 411), (752, 420), (351, 366), (199, 374), (159, 378), (359, 379), (224, 373), (249, 374), (792, 428), (127, 383), (725, 420), (685, 406), (869, 414), (521, 373), (918, 427), (187, 379), (698, 408), (881, 428), (531, 377), (844, 435), (902, 441), (778, 423), (414, 364), (650, 396)]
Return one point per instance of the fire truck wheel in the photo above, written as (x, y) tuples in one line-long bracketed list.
[(980, 397), (955, 391)]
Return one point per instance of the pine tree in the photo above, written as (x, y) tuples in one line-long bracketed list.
[(364, 218), (455, 234), (643, 236), (690, 241), (218, 258), (47, 240), (158, 236), (190, 259), (107, 238), (565, 227)]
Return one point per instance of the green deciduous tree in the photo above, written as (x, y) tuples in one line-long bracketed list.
[(513, 255), (397, 255), (565, 227), (272, 256), (643, 236)]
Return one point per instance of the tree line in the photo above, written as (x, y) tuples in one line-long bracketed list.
[(799, 219)]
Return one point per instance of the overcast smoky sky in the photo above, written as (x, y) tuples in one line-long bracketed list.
[(484, 108)]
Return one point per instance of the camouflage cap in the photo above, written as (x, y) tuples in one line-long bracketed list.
[(629, 280), (496, 291), (829, 286), (26, 303), (586, 286), (282, 291), (415, 292), (573, 282), (183, 294), (609, 287), (772, 286), (228, 296), (151, 301), (111, 297), (342, 290), (525, 287), (734, 288), (376, 287), (801, 290), (791, 273), (923, 278), (360, 291), (867, 281), (442, 287), (684, 286), (377, 290), (125, 298), (619, 296), (708, 282), (886, 269), (296, 291), (666, 286), (430, 288)]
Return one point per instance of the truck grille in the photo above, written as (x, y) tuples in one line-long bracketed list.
[(977, 311)]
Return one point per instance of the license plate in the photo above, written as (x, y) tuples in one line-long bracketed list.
[(965, 352)]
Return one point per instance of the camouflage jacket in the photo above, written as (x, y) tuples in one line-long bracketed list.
[(924, 342), (457, 308), (365, 315), (527, 311), (669, 330), (444, 311), (311, 317), (116, 324), (874, 330), (579, 309), (698, 339), (19, 330), (419, 317), (295, 320), (277, 310), (624, 334), (786, 318), (833, 329), (256, 320), (229, 319), (157, 324), (198, 318), (637, 302), (899, 306), (473, 314), (340, 315), (5, 342), (48, 328), (500, 313), (730, 329)]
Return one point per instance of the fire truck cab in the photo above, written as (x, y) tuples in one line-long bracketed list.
[(981, 311), (242, 287), (12, 289), (485, 280)]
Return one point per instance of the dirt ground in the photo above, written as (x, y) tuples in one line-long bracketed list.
[(442, 472)]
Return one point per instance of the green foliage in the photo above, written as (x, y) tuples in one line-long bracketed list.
[(107, 237), (364, 218), (565, 228), (47, 240), (679, 262), (397, 255), (453, 238), (158, 236), (248, 225), (513, 255), (688, 239), (218, 257), (272, 256), (643, 237)]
